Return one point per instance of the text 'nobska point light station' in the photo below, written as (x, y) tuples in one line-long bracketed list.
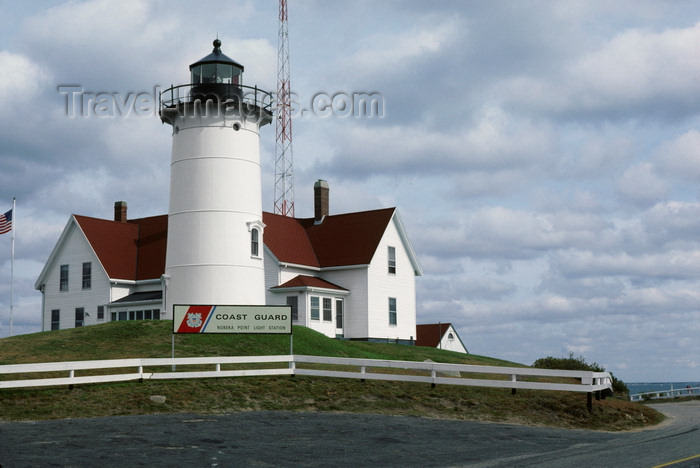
[(215, 227)]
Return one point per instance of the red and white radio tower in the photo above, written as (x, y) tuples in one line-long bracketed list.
[(284, 174)]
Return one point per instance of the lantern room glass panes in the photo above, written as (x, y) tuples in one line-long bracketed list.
[(216, 73)]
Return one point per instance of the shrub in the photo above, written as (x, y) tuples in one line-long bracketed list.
[(579, 363)]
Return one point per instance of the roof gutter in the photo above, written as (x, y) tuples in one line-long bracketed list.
[(331, 268), (312, 289), (135, 282)]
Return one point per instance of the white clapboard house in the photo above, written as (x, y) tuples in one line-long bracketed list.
[(349, 275)]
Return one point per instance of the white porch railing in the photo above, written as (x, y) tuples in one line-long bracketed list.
[(412, 371)]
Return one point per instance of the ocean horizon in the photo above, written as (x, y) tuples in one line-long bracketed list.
[(643, 387)]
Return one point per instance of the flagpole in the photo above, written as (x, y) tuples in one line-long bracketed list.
[(12, 264)]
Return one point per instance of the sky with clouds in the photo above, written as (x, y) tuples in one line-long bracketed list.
[(544, 155)]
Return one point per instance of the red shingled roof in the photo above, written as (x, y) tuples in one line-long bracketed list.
[(431, 333), (345, 239), (134, 250), (303, 281), (288, 241), (153, 239)]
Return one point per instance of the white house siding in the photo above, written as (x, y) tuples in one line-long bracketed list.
[(353, 309), (280, 298), (271, 277), (119, 290), (74, 253), (327, 327), (452, 344), (383, 285), (289, 273), (355, 303), (276, 275)]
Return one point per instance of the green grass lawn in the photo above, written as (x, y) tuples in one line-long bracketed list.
[(150, 339)]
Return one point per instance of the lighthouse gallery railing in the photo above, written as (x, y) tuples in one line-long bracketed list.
[(250, 97)]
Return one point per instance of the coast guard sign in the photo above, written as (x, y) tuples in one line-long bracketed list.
[(232, 319)]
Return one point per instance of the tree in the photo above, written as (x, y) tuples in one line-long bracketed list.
[(579, 363)]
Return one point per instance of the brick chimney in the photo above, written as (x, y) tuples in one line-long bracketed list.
[(120, 211), (321, 191)]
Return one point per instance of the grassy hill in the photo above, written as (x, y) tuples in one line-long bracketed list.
[(153, 339)]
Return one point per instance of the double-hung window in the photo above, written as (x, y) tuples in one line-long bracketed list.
[(315, 308), (392, 260), (293, 302), (327, 309), (392, 311), (87, 275), (254, 242), (63, 280)]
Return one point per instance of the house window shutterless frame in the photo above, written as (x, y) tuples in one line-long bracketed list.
[(55, 319), (338, 313), (63, 280), (392, 311), (392, 260), (87, 275), (315, 308), (79, 317), (327, 309), (254, 242), (148, 314), (293, 302)]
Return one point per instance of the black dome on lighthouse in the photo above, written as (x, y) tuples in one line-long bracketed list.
[(217, 56), (216, 68)]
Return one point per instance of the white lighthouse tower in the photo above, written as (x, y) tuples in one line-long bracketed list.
[(215, 230)]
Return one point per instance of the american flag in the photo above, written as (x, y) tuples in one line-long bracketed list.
[(6, 222)]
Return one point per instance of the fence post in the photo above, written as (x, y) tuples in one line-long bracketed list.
[(362, 371), (513, 378), (433, 374)]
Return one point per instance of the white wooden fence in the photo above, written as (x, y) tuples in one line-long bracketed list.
[(663, 394), (411, 371)]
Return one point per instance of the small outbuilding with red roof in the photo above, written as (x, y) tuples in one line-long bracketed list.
[(440, 335)]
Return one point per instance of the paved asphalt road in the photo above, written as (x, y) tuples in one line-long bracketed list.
[(321, 439)]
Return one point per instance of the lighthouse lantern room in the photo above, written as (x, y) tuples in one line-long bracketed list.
[(215, 226)]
